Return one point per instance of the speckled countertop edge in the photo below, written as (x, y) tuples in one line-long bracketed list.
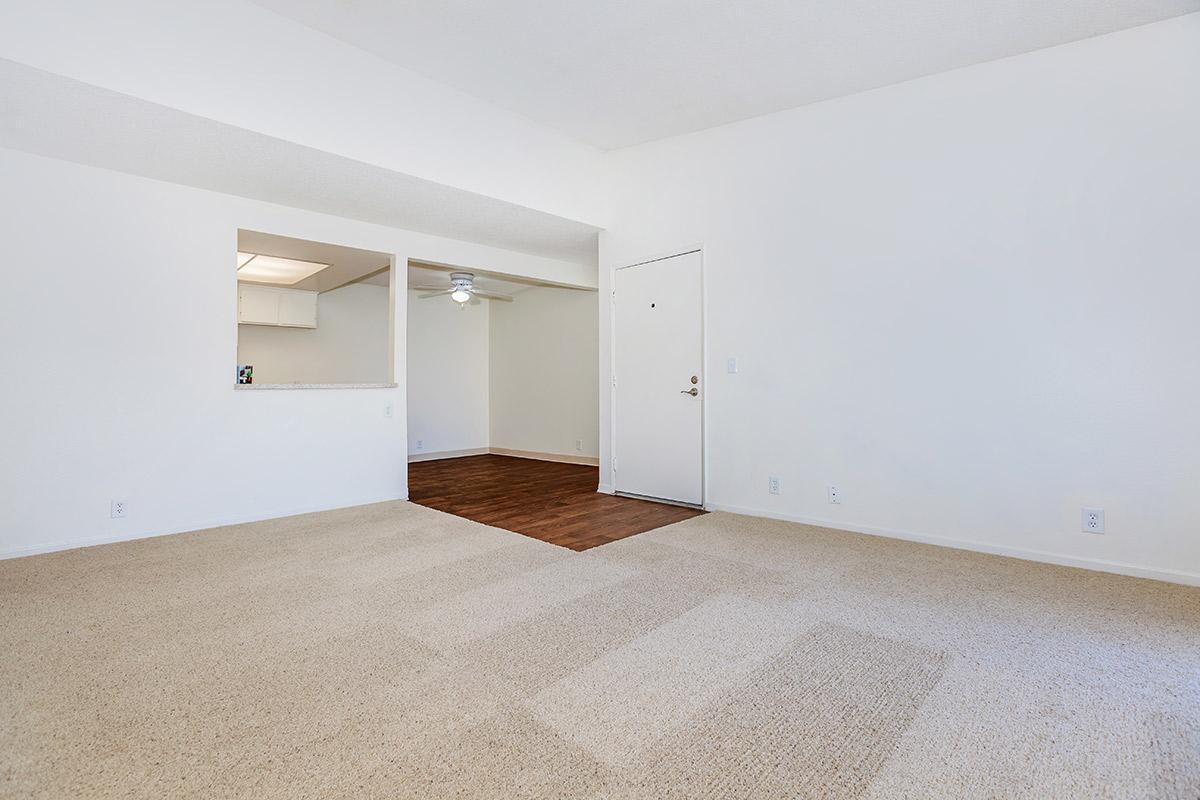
[(252, 386)]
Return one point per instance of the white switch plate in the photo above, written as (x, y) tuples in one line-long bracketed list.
[(731, 366), (388, 410), (1093, 520), (773, 484), (118, 509), (835, 495)]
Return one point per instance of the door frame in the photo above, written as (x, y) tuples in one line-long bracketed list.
[(612, 366)]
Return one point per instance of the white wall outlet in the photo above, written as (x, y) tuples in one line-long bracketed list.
[(389, 410), (118, 509), (420, 444), (579, 445), (834, 494), (773, 484), (731, 366), (1093, 520)]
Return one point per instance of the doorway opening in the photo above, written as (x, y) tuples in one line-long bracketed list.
[(503, 404)]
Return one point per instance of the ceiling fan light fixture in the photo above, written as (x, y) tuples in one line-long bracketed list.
[(462, 289)]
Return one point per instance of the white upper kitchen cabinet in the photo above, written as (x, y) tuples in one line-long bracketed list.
[(273, 305)]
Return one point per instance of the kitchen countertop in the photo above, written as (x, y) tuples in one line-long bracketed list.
[(253, 386)]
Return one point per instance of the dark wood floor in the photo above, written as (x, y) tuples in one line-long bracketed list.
[(557, 503)]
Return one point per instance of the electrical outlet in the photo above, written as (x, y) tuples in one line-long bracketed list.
[(579, 445), (388, 410), (731, 366), (773, 484), (420, 444), (1093, 520), (835, 495), (118, 509)]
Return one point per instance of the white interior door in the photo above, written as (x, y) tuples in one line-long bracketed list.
[(659, 383)]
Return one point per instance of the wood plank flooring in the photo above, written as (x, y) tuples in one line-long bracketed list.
[(557, 503)]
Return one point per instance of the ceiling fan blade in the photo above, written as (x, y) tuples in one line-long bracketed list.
[(491, 295), (435, 294)]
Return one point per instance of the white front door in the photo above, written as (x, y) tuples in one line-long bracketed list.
[(659, 394)]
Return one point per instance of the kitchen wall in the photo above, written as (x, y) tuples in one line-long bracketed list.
[(351, 343), (967, 300)]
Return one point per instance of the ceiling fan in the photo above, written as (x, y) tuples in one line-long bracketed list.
[(462, 289)]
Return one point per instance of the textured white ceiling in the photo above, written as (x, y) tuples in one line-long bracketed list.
[(619, 72)]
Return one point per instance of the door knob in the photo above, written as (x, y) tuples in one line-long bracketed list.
[(692, 391)]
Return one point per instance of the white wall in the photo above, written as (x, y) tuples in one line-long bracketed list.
[(119, 321), (543, 372), (237, 63), (447, 375), (968, 300), (987, 318), (351, 343)]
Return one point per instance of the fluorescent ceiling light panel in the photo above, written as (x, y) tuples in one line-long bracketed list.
[(272, 269)]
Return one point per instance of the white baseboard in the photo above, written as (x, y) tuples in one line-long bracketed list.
[(190, 527), (438, 456), (606, 488), (561, 458), (1097, 565), (1170, 576)]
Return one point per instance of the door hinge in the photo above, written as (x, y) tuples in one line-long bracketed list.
[(614, 463)]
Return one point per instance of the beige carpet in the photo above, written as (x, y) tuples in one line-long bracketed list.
[(394, 651)]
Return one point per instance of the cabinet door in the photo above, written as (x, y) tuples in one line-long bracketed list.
[(298, 309), (258, 305)]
